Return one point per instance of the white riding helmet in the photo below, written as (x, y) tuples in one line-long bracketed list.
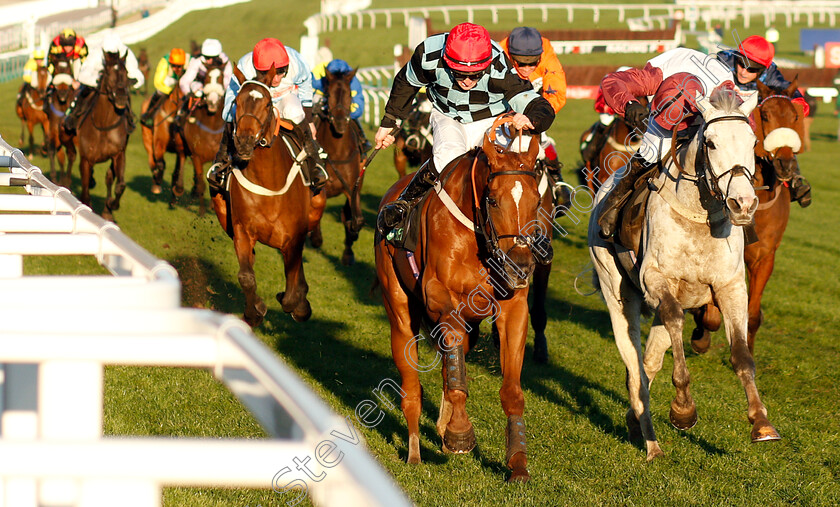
[(211, 48), (112, 43)]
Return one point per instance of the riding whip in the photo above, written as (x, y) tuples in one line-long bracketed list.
[(365, 165)]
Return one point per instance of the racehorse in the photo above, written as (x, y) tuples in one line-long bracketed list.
[(622, 142), (413, 144), (689, 254), (341, 143), (268, 201), (459, 274), (203, 133), (164, 137), (779, 128), (31, 110), (59, 98), (103, 133), (144, 67)]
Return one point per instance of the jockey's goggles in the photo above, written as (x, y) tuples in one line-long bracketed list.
[(460, 76), (751, 66), (526, 61)]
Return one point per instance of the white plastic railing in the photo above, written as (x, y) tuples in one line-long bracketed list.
[(58, 332)]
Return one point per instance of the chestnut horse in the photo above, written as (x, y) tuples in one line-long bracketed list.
[(203, 134), (779, 129), (339, 140), (31, 110), (622, 142), (164, 137), (61, 144), (413, 144), (103, 133), (268, 201), (459, 274)]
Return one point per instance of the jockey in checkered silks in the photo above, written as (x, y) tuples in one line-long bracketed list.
[(469, 81)]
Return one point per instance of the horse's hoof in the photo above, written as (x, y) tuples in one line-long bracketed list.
[(348, 259), (316, 239), (156, 189), (302, 312), (764, 433), (459, 443), (540, 353), (177, 191), (700, 340), (107, 215), (519, 475), (654, 452), (683, 420)]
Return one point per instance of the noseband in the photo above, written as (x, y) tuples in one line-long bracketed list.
[(712, 180)]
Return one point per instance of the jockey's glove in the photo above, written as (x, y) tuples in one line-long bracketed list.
[(636, 115)]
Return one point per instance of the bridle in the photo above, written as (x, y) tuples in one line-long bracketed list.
[(266, 136), (484, 225), (712, 179)]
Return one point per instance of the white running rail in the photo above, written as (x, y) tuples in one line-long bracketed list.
[(58, 332)]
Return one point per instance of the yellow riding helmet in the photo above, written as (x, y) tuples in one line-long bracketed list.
[(67, 37), (39, 54)]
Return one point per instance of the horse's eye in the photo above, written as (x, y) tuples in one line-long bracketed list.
[(710, 145), (492, 202)]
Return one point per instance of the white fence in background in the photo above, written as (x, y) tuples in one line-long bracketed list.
[(58, 332)]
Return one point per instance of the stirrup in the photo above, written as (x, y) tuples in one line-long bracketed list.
[(217, 174)]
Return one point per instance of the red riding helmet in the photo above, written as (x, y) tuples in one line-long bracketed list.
[(270, 53), (757, 49), (468, 48)]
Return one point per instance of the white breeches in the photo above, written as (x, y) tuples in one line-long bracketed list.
[(452, 138)]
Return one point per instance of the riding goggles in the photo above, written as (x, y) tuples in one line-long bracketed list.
[(460, 76), (526, 61)]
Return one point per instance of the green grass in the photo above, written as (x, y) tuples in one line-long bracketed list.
[(578, 448)]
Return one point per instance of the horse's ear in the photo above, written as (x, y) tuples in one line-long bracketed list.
[(239, 75), (350, 75), (749, 104), (799, 125), (533, 149), (763, 90), (703, 104), (790, 90), (489, 149), (328, 75)]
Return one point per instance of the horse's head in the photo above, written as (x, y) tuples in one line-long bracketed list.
[(339, 99), (62, 84), (508, 209), (43, 79), (114, 81), (214, 89), (254, 122), (727, 152), (779, 127)]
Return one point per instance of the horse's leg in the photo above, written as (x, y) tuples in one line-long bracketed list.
[(760, 272), (657, 344), (177, 180), (243, 244), (22, 131), (404, 329), (70, 148), (199, 185), (733, 305), (351, 234), (119, 175), (85, 168), (293, 299), (513, 332), (539, 288)]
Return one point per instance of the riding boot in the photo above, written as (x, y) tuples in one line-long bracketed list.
[(394, 214), (364, 144), (223, 163), (314, 163), (800, 190), (593, 143), (561, 192), (147, 119), (618, 196), (77, 108)]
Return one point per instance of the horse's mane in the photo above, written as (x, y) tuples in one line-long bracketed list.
[(726, 100)]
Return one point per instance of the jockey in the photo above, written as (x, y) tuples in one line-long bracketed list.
[(68, 45), (192, 82), (597, 137), (534, 59), (470, 82), (291, 92), (169, 69), (752, 62), (89, 79), (357, 107), (30, 73), (672, 78)]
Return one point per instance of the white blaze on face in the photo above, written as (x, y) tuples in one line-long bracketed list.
[(516, 193), (255, 95)]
